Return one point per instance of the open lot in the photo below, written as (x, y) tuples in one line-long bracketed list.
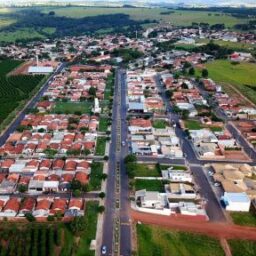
[(83, 247), (242, 247), (72, 107), (244, 218), (242, 76), (100, 146), (154, 241), (96, 176), (149, 185)]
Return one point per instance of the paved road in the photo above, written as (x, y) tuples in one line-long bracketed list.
[(107, 236), (213, 207), (13, 126)]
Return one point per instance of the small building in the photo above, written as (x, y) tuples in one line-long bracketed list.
[(238, 202), (40, 70)]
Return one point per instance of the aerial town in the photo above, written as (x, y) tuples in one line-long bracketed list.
[(111, 143)]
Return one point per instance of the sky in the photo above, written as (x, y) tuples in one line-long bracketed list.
[(209, 2)]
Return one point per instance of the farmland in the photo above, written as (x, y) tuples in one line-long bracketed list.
[(153, 241), (14, 90), (177, 17), (242, 76)]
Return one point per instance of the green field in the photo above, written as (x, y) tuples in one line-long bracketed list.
[(242, 76), (27, 33), (96, 176), (154, 241), (244, 218), (103, 124), (179, 17), (14, 90), (236, 46), (72, 107), (160, 124), (242, 247), (90, 231), (193, 125), (150, 185), (144, 170), (100, 146)]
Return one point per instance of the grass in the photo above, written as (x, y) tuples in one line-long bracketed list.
[(193, 125), (154, 241), (242, 247), (103, 124), (100, 146), (242, 76), (72, 107), (236, 46), (90, 231), (149, 185), (95, 176), (178, 17), (244, 218), (144, 170), (26, 33), (159, 124)]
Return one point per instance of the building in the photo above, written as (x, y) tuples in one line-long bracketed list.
[(40, 70), (238, 202)]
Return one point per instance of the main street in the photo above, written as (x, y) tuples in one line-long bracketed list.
[(116, 230)]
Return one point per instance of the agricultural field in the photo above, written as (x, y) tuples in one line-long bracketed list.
[(14, 90), (177, 17), (72, 107), (154, 241), (33, 240), (242, 76), (21, 34)]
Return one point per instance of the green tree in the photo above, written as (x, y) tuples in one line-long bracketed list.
[(191, 71), (205, 73), (77, 225)]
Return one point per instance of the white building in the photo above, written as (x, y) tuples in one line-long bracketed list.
[(239, 202)]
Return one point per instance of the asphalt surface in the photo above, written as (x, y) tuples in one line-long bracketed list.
[(14, 125)]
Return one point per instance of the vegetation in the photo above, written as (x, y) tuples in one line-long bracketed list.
[(242, 247), (154, 241), (150, 185), (242, 76), (159, 124), (103, 124), (14, 90), (89, 233), (244, 218), (72, 107), (96, 176), (100, 146)]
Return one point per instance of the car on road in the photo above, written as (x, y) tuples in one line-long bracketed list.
[(104, 250), (123, 143), (216, 184)]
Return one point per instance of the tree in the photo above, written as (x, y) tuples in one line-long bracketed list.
[(30, 217), (104, 176), (77, 193), (191, 71), (102, 195), (101, 209), (168, 94), (130, 158), (92, 91), (77, 225), (205, 73)]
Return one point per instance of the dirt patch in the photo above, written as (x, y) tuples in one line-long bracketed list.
[(213, 229)]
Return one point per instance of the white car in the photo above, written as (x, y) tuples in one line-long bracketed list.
[(104, 250)]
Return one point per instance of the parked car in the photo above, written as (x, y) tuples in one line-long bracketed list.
[(104, 250)]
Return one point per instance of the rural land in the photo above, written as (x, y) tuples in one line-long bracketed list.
[(127, 129)]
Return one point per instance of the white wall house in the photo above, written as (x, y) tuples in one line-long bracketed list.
[(239, 202)]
